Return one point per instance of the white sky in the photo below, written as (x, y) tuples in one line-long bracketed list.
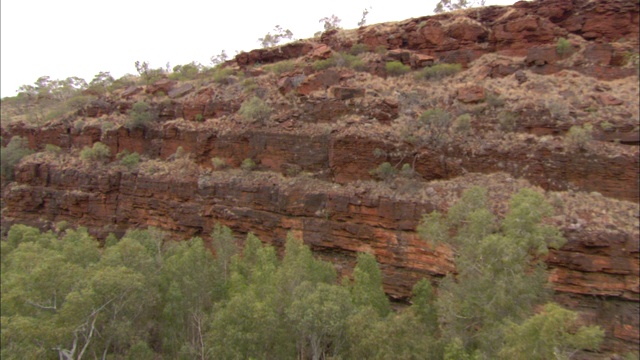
[(66, 38)]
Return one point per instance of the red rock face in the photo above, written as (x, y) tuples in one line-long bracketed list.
[(349, 158), (594, 268), (596, 272)]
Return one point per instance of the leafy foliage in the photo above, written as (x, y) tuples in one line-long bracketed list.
[(270, 40), (439, 71), (452, 5), (396, 68), (549, 335), (15, 150), (499, 275), (129, 160), (142, 296), (331, 22), (564, 47), (579, 137), (384, 171), (98, 153), (140, 116), (248, 164), (255, 109)]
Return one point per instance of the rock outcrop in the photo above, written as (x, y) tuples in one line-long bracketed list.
[(596, 268), (329, 127)]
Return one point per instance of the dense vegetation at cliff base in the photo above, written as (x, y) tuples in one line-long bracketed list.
[(141, 297)]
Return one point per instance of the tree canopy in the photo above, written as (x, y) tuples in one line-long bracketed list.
[(66, 297)]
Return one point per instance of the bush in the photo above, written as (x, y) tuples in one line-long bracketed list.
[(282, 67), (508, 121), (396, 68), (494, 100), (220, 75), (139, 116), (578, 137), (98, 153), (324, 64), (248, 164), (407, 171), (607, 126), (52, 149), (437, 123), (129, 160), (186, 72), (384, 171), (563, 47), (439, 71), (359, 49), (340, 59), (219, 163), (17, 148), (462, 124), (255, 109), (351, 61), (199, 118)]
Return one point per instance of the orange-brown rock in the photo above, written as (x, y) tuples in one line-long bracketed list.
[(164, 85), (349, 158), (471, 94), (597, 266)]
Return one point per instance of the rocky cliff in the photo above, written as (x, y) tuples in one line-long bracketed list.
[(330, 126)]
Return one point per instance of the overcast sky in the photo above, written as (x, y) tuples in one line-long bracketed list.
[(66, 38)]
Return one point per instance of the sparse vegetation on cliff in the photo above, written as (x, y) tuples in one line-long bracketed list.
[(306, 118), (15, 150), (99, 153), (198, 305), (140, 116), (396, 68), (255, 109)]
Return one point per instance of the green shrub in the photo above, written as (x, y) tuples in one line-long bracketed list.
[(380, 49), (98, 153), (494, 100), (377, 152), (563, 47), (462, 124), (396, 68), (249, 84), (15, 150), (439, 71), (357, 49), (219, 163), (607, 126), (255, 109), (248, 164), (435, 118), (579, 137), (219, 74), (342, 60), (123, 82), (407, 171), (140, 116), (384, 171), (199, 118), (351, 61), (129, 160), (186, 72), (508, 121), (52, 149), (282, 67), (62, 225), (437, 123), (324, 64)]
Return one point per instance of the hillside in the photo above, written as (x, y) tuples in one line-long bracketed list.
[(348, 139)]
